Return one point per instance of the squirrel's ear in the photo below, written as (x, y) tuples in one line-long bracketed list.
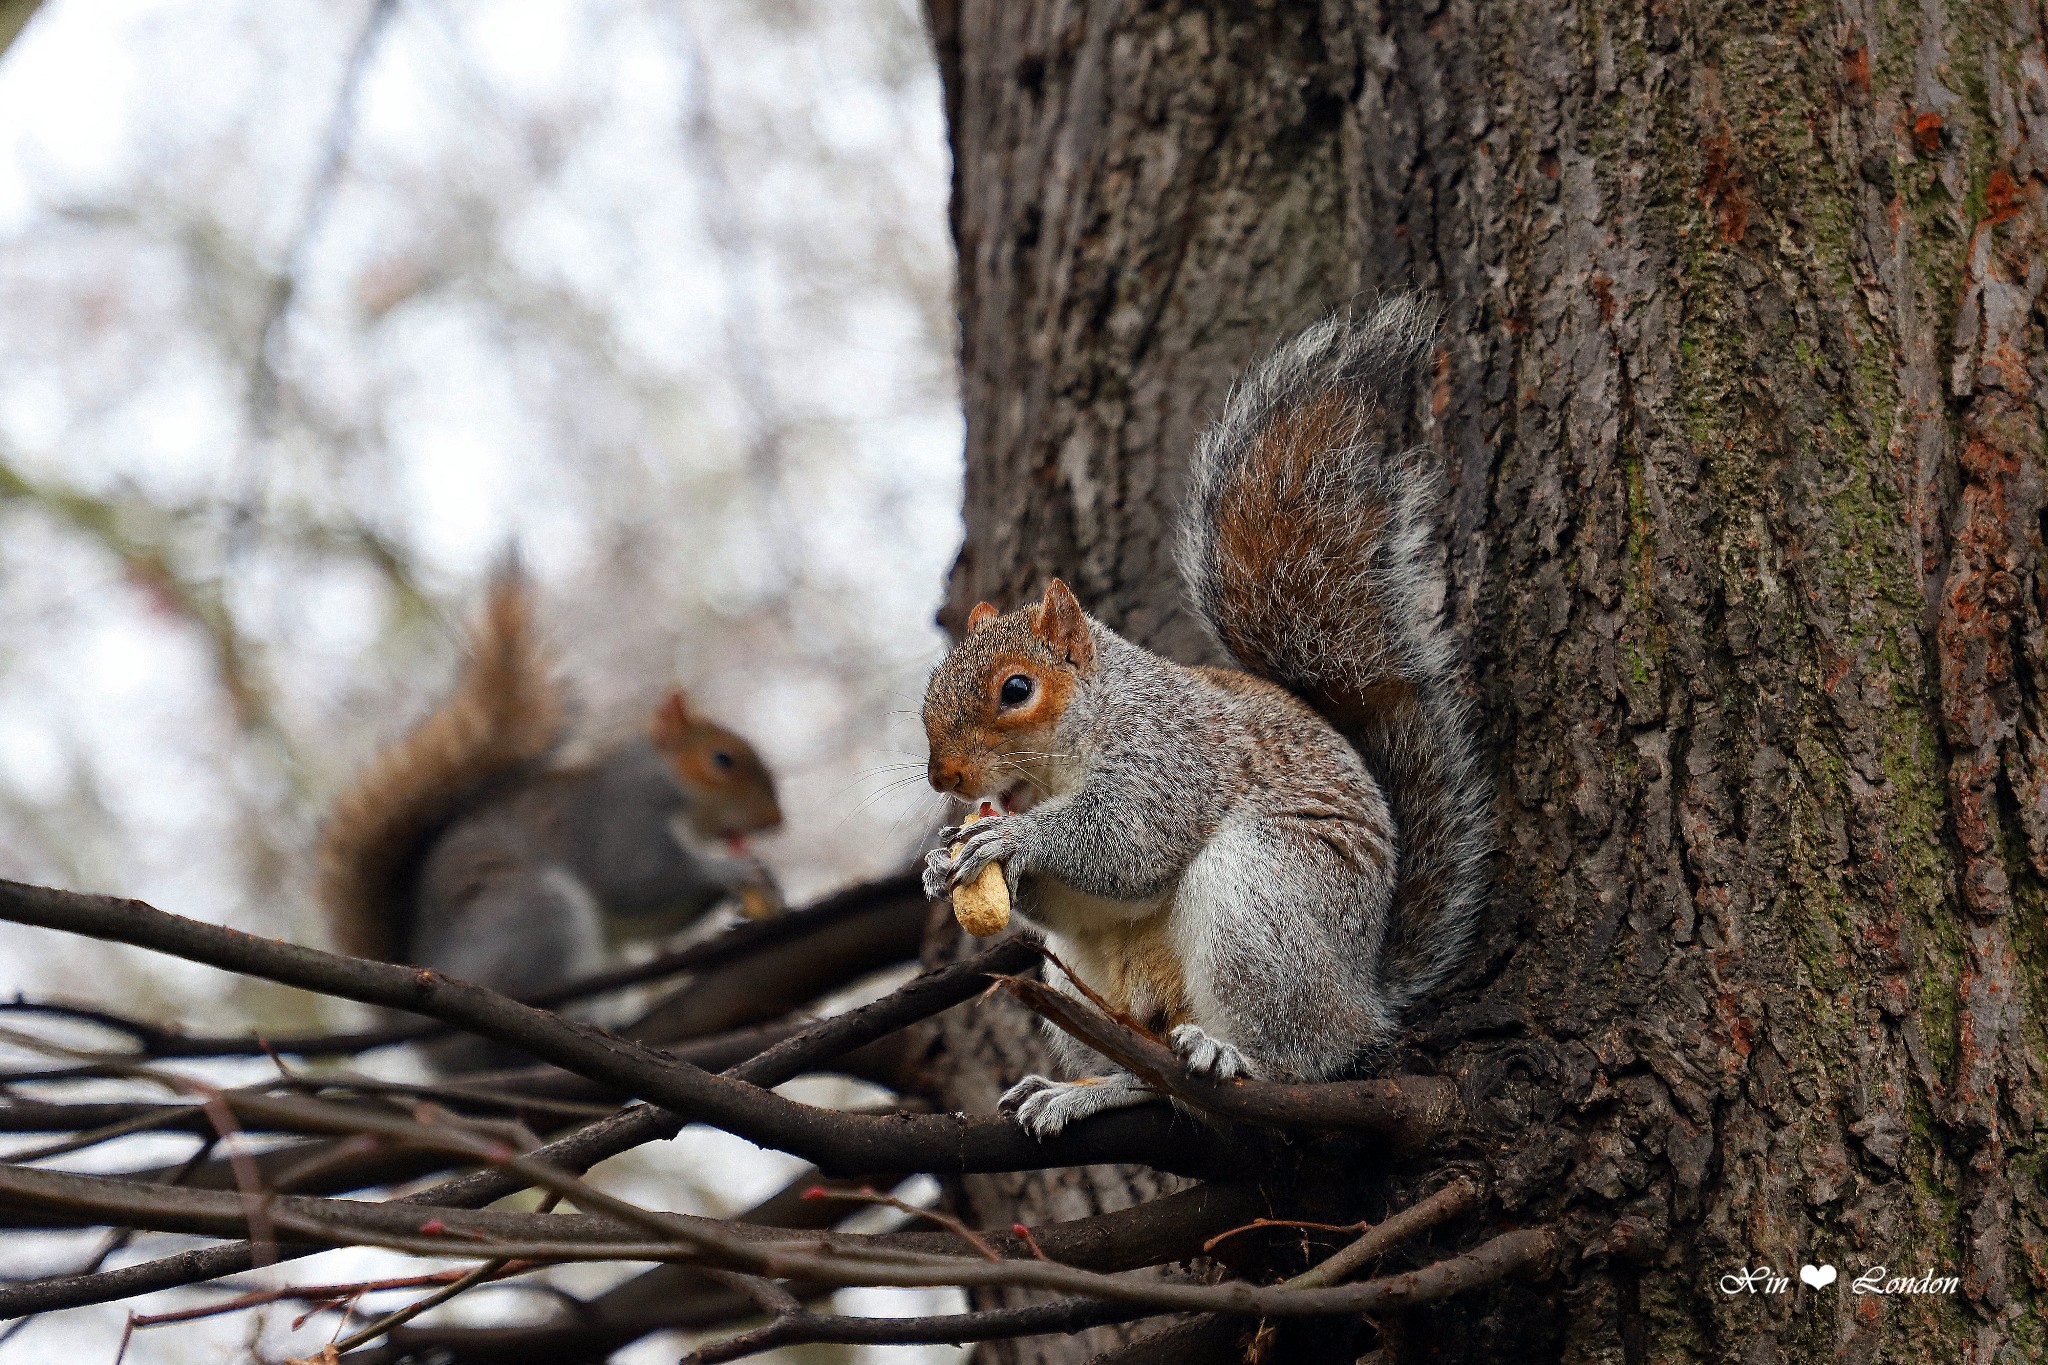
[(983, 613), (1060, 623), (672, 720)]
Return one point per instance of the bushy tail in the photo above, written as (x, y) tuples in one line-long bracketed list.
[(1306, 544), (507, 713)]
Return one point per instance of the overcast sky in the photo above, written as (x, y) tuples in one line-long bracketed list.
[(659, 291)]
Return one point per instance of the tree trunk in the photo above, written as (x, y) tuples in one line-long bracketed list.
[(1741, 404), (14, 17)]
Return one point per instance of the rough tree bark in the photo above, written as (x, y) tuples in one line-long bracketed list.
[(1741, 403)]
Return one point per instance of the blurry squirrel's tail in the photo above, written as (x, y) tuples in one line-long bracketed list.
[(1306, 543), (506, 715)]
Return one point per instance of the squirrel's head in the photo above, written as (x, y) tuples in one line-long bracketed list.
[(733, 793), (993, 706)]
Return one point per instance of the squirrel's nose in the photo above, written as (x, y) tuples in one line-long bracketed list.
[(946, 774)]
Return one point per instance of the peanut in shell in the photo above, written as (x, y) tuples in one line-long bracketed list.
[(758, 902), (983, 905)]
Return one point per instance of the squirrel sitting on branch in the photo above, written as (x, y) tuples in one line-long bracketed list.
[(1266, 865), (467, 847)]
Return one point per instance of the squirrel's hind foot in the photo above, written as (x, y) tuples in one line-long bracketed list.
[(1044, 1107), (1207, 1055)]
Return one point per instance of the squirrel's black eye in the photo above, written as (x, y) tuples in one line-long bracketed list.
[(1016, 690), (721, 758)]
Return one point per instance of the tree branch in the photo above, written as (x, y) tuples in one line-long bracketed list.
[(1062, 1315), (446, 1221), (838, 1259), (670, 1296), (868, 912), (1411, 1110), (596, 1142), (835, 1142)]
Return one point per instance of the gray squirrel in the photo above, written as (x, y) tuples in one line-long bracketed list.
[(467, 848), (1266, 865)]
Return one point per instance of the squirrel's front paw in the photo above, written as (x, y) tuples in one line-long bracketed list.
[(1044, 1107), (964, 850), (1206, 1055), (994, 840), (757, 893)]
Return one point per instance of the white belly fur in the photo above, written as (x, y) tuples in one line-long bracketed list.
[(1155, 959), (1124, 951)]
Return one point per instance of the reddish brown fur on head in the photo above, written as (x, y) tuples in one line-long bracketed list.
[(982, 746), (733, 790)]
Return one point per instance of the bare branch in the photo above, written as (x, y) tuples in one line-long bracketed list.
[(870, 928), (1168, 1229), (318, 1294), (476, 1276), (1062, 1315), (835, 1142), (869, 1195), (831, 1259), (1459, 1197), (868, 913), (446, 1221), (579, 1151)]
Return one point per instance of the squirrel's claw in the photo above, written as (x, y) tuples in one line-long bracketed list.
[(1013, 1099), (1043, 1108), (1206, 1055), (938, 874), (988, 841), (963, 851)]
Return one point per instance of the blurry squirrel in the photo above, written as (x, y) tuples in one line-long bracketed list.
[(467, 848), (1268, 865)]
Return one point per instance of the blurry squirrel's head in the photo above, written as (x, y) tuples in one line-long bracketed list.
[(993, 706), (730, 787)]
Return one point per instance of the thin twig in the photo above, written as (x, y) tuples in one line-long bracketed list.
[(793, 1329), (165, 1115), (1258, 1224), (768, 1296), (118, 1238), (825, 1259), (400, 1317), (248, 1181), (868, 1195), (318, 1294), (1459, 1197), (1095, 998), (1037, 1252)]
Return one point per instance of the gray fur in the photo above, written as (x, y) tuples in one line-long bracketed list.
[(1300, 842), (1045, 1107), (522, 893), (520, 929), (1206, 1056), (617, 830), (1233, 808), (1330, 625)]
